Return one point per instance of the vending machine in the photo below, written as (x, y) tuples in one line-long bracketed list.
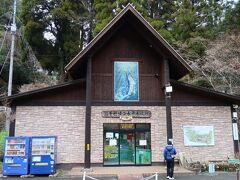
[(43, 155), (16, 156)]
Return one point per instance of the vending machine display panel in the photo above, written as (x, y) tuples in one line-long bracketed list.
[(43, 155), (16, 156)]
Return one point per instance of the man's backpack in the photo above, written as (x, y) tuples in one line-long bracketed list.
[(169, 155)]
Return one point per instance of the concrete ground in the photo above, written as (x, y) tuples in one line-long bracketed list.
[(203, 176), (122, 170), (132, 173)]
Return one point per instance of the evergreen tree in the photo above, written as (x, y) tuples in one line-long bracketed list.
[(51, 29), (103, 14), (232, 20), (185, 25), (5, 11), (210, 14), (150, 9)]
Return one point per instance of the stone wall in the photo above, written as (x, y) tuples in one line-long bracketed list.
[(158, 129), (218, 116), (68, 124), (65, 122)]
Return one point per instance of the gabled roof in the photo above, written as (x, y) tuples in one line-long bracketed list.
[(39, 91), (222, 96), (130, 11), (228, 99)]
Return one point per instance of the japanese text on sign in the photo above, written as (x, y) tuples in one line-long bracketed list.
[(132, 113)]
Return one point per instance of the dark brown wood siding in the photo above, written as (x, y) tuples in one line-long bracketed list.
[(68, 94), (183, 94), (127, 45)]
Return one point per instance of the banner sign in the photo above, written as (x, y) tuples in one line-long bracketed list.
[(132, 113)]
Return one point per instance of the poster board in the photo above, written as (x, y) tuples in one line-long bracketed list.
[(198, 135)]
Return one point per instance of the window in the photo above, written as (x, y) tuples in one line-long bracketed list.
[(126, 81)]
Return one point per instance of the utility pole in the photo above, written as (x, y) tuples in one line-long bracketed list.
[(13, 32)]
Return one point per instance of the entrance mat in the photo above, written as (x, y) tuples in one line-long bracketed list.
[(130, 176)]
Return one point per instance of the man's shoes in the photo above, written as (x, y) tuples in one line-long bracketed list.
[(168, 177), (171, 177)]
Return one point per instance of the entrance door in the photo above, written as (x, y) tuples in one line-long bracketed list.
[(143, 148), (127, 148), (127, 144)]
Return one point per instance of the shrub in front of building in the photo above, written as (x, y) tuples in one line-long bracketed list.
[(3, 134), (220, 166)]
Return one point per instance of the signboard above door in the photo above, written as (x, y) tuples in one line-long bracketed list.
[(132, 113)]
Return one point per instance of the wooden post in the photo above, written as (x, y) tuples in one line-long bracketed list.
[(167, 100), (87, 159)]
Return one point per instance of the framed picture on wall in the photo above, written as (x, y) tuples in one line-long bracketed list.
[(126, 81), (198, 135)]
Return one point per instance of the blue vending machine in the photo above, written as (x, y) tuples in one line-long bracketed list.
[(43, 155), (16, 156)]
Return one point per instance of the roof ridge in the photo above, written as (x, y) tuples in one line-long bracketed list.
[(144, 22), (107, 26)]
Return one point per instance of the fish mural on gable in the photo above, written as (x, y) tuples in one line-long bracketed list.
[(126, 81)]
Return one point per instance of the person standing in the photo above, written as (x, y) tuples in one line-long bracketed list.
[(169, 155)]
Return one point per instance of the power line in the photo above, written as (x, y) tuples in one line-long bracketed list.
[(3, 40), (4, 62), (5, 35)]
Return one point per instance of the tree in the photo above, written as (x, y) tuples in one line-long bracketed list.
[(150, 9), (24, 70), (220, 67), (186, 31), (232, 20), (5, 12), (51, 28), (210, 14), (185, 25)]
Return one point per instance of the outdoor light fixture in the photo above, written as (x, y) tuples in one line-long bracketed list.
[(168, 88), (235, 115), (3, 109), (235, 106)]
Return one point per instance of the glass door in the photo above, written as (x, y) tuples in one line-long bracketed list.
[(127, 148), (143, 148), (111, 148), (127, 144)]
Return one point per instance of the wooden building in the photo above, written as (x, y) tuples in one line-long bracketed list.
[(125, 102)]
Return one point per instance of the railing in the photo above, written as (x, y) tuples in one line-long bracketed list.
[(155, 176), (84, 176)]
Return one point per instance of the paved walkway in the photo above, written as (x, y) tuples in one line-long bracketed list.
[(216, 176), (126, 170)]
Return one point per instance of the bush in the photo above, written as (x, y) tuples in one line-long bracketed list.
[(219, 166), (3, 134), (224, 166), (204, 167)]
